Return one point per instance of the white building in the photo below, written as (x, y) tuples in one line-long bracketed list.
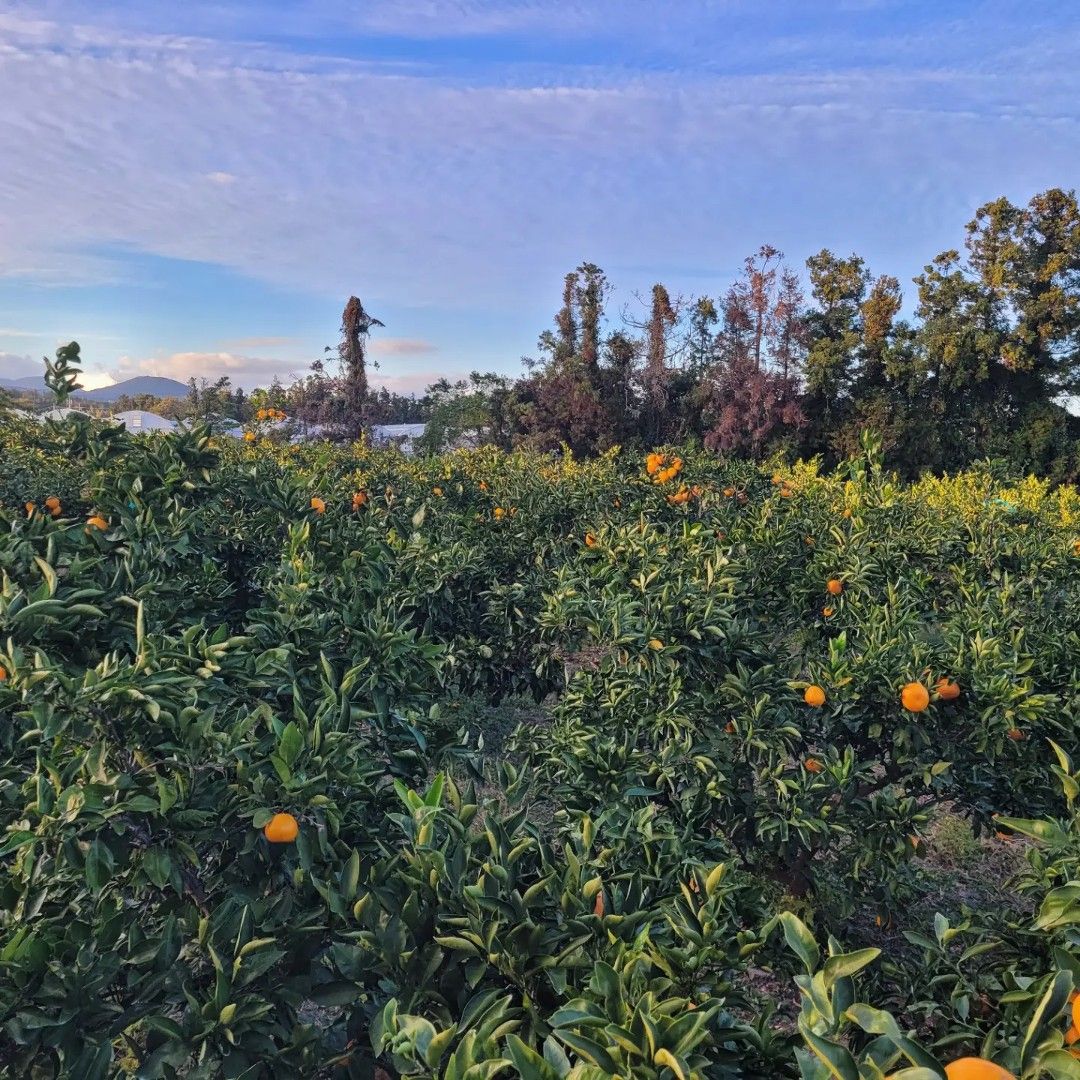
[(63, 414), (136, 420)]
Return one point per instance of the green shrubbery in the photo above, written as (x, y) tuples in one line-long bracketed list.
[(595, 898)]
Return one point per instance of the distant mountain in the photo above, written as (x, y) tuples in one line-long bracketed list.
[(31, 382), (142, 384)]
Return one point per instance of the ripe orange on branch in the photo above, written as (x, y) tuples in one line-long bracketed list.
[(281, 829), (946, 690), (814, 696), (972, 1068), (915, 697)]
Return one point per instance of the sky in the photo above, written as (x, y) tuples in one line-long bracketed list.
[(197, 188)]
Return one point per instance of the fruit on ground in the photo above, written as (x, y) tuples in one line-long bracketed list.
[(281, 829), (915, 697), (814, 696)]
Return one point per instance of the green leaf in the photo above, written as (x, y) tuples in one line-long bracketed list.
[(590, 1051), (458, 944), (157, 865), (1046, 832), (290, 744), (801, 941), (350, 876), (838, 967), (837, 1060), (335, 993), (1049, 1008), (99, 865), (665, 1059)]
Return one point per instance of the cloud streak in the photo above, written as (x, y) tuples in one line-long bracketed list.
[(593, 130)]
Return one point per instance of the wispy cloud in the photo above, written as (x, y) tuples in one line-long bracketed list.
[(402, 347), (244, 370), (257, 342), (595, 130), (18, 366)]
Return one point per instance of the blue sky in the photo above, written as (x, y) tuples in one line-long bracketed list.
[(196, 188)]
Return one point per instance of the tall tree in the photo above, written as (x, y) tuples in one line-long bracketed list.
[(751, 397), (662, 317), (356, 324)]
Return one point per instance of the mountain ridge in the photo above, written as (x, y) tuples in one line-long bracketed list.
[(155, 385)]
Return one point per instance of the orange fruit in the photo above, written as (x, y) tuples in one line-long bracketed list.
[(729, 727), (52, 504), (973, 1068), (655, 644), (437, 491), (30, 508), (590, 540), (813, 765), (786, 493), (915, 697), (318, 505), (947, 691), (249, 436), (359, 499), (1076, 1012), (1072, 1035), (281, 829), (3, 674), (1015, 734), (598, 907), (814, 696), (98, 522), (846, 513), (499, 512), (828, 612), (835, 586)]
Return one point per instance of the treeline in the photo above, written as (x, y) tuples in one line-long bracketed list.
[(986, 367)]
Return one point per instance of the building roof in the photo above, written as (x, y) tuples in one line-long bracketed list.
[(142, 420)]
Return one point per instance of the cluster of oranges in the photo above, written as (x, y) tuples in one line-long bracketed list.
[(914, 696), (52, 506), (785, 488), (684, 495), (270, 414), (662, 468)]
